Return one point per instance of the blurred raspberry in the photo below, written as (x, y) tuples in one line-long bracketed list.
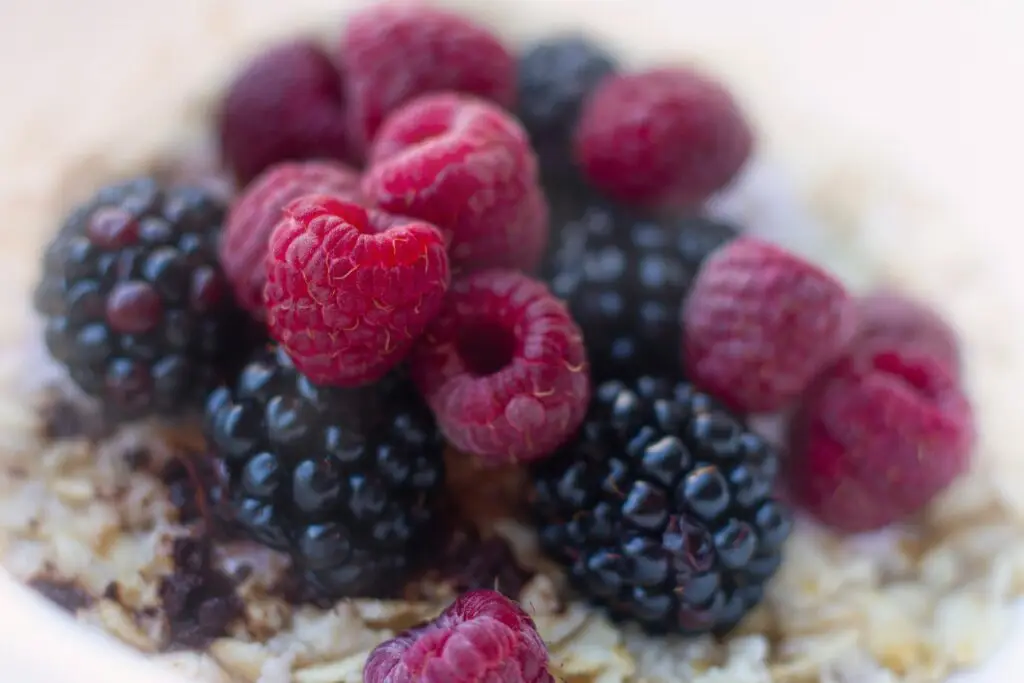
[(503, 368), (483, 637), (346, 299), (286, 104), (759, 323), (668, 136), (880, 433), (243, 248), (892, 321), (395, 52), (464, 165)]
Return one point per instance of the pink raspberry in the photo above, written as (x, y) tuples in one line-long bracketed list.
[(253, 216), (880, 433), (895, 322), (503, 368), (668, 136), (286, 104), (483, 637), (759, 323), (466, 166), (395, 52), (349, 291)]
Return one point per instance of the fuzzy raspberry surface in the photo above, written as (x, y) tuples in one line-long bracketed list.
[(466, 166), (503, 367), (346, 298), (483, 637), (393, 52), (257, 211), (666, 136), (893, 321), (285, 104), (759, 323), (881, 432)]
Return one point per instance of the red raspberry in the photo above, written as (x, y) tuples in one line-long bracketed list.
[(880, 433), (759, 323), (892, 321), (483, 637), (669, 136), (346, 298), (395, 52), (243, 248), (464, 165), (503, 368), (286, 104)]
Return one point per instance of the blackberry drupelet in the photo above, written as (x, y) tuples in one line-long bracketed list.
[(135, 303), (624, 277), (555, 76), (345, 481), (661, 508)]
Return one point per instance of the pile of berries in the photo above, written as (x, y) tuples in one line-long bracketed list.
[(436, 245)]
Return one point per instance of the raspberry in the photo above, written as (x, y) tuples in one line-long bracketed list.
[(662, 136), (395, 52), (759, 323), (483, 637), (881, 432), (462, 164), (345, 298), (243, 249), (503, 368), (286, 104), (893, 321)]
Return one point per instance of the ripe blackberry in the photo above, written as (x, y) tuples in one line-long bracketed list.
[(343, 480), (624, 277), (661, 508), (134, 301)]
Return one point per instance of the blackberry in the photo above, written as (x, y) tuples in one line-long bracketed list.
[(134, 301), (555, 76), (345, 481), (624, 277), (661, 508)]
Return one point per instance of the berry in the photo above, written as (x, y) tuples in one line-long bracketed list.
[(555, 76), (668, 136), (465, 166), (253, 216), (882, 431), (346, 481), (135, 305), (483, 637), (624, 278), (346, 295), (395, 52), (661, 508), (286, 104), (893, 321), (503, 368), (759, 323)]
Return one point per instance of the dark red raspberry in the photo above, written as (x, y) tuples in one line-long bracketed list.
[(503, 368), (880, 433), (253, 216), (892, 321), (286, 104), (346, 298), (395, 52), (668, 136), (760, 323), (483, 637), (466, 166)]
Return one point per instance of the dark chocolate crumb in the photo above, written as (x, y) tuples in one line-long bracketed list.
[(199, 600), (138, 459), (64, 417), (193, 487), (66, 594), (113, 592)]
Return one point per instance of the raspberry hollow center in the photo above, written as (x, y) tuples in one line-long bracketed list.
[(486, 347)]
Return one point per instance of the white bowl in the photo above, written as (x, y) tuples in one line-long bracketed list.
[(898, 125)]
